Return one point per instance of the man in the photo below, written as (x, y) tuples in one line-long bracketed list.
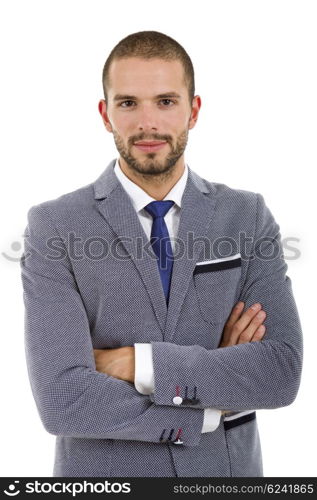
[(145, 343)]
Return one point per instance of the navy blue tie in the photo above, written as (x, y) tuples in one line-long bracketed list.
[(160, 241)]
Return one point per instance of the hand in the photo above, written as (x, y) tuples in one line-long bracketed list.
[(241, 328), (118, 362)]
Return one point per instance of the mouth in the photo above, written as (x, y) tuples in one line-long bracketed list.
[(150, 146)]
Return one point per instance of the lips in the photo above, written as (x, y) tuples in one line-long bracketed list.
[(150, 146), (149, 143)]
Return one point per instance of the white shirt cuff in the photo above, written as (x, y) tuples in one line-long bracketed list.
[(143, 373), (211, 420)]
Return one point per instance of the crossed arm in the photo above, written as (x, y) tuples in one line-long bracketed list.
[(75, 397), (241, 327)]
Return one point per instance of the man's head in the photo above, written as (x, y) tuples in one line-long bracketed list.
[(148, 82)]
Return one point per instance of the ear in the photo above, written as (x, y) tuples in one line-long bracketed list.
[(196, 104), (102, 108)]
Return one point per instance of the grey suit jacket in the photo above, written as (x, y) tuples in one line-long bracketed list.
[(90, 280)]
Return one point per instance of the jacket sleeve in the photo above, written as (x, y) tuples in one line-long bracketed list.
[(72, 398), (255, 375), (144, 383)]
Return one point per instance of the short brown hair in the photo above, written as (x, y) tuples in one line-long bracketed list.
[(148, 45)]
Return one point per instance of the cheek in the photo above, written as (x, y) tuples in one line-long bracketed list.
[(121, 133), (177, 122), (122, 124)]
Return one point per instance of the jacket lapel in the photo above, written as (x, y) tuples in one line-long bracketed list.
[(198, 203), (115, 206)]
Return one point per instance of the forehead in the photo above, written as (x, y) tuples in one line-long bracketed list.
[(134, 75)]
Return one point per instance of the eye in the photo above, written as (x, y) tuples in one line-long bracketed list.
[(124, 102), (167, 100), (128, 103)]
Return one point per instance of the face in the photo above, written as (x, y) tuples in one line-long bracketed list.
[(149, 114)]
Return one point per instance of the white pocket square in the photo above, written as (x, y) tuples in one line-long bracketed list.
[(223, 259)]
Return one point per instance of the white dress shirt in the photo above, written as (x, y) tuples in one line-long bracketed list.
[(144, 374)]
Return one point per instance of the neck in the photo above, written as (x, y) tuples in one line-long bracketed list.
[(156, 186)]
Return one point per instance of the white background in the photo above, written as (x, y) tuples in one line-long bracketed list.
[(255, 65)]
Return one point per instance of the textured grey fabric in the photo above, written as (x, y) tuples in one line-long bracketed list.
[(89, 298), (258, 375)]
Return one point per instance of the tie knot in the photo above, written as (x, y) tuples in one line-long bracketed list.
[(159, 208)]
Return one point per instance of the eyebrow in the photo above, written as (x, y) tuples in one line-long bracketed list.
[(122, 97)]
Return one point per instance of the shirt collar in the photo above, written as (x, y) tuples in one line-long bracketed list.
[(140, 198)]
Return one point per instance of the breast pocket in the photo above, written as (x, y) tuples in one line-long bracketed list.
[(216, 283)]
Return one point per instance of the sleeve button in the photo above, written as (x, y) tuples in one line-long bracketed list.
[(178, 442), (177, 400)]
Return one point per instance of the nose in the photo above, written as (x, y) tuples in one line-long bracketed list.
[(147, 119)]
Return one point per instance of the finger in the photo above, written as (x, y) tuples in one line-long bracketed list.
[(235, 314), (259, 334), (248, 333), (242, 323)]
